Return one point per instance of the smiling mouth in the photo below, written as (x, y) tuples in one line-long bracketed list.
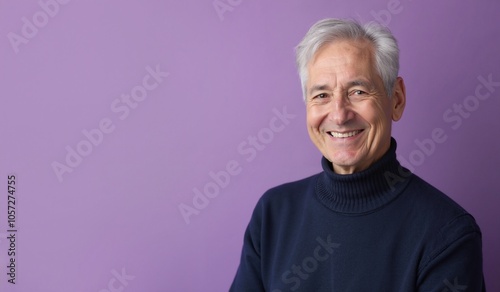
[(345, 134)]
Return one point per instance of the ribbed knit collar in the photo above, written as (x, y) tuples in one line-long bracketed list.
[(363, 191)]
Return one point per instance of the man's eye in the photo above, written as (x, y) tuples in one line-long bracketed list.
[(358, 92), (320, 96)]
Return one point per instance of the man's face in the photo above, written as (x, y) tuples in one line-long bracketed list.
[(349, 114)]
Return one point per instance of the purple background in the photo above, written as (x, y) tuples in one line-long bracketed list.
[(227, 72)]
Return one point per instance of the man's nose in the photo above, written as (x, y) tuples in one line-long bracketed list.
[(341, 110)]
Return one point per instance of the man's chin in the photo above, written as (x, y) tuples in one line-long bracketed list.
[(345, 163)]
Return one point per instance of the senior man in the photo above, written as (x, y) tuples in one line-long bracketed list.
[(364, 223)]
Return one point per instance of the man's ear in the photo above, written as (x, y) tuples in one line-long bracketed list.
[(398, 99)]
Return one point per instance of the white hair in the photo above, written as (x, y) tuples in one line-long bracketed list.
[(329, 30)]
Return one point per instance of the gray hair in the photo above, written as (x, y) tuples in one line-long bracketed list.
[(330, 30)]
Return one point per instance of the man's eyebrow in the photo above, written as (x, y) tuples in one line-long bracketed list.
[(319, 87), (355, 82), (359, 82)]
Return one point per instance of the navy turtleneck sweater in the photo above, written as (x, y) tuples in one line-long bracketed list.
[(382, 229)]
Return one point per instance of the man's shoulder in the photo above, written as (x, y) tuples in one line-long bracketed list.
[(441, 223), (290, 190), (432, 205), (427, 196)]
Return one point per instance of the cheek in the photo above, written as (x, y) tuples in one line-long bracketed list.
[(314, 119), (376, 114)]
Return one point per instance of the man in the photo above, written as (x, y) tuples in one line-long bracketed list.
[(365, 223)]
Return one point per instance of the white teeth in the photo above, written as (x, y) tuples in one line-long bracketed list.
[(344, 135)]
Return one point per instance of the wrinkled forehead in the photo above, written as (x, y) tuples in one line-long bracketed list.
[(342, 59), (343, 52)]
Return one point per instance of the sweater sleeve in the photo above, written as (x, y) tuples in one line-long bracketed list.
[(249, 276), (454, 262)]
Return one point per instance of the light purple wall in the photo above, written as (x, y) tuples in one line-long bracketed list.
[(228, 75)]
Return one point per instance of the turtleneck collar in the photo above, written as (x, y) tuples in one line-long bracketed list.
[(363, 191)]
